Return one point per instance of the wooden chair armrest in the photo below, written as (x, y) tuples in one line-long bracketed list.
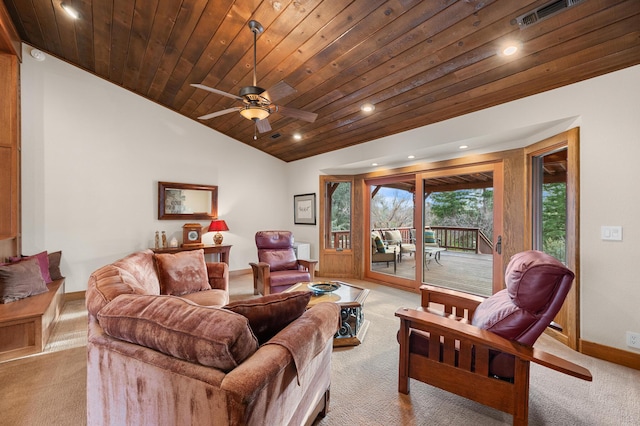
[(309, 265), (450, 299), (560, 364), (453, 329)]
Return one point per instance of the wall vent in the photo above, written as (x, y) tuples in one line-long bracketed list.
[(545, 11)]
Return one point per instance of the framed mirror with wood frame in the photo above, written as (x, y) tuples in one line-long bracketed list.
[(185, 201)]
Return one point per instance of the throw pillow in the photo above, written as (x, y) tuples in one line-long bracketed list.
[(177, 327), (430, 236), (54, 265), (182, 273), (379, 245), (20, 280), (268, 315), (43, 262), (393, 236)]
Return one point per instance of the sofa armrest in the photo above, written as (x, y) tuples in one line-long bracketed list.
[(218, 273)]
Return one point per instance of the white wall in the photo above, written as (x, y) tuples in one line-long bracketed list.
[(607, 109), (92, 154)]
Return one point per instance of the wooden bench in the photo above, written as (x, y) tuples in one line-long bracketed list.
[(25, 325)]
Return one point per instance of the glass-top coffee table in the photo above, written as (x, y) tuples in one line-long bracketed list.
[(350, 298)]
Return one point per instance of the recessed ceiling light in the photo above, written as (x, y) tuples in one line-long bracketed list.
[(463, 147), (411, 157), (70, 11), (297, 136), (367, 107), (374, 164), (510, 50)]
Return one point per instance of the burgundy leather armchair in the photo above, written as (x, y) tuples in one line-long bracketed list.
[(277, 268), (481, 348)]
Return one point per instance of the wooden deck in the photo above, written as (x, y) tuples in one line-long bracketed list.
[(467, 272)]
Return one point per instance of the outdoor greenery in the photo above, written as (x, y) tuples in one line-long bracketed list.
[(468, 208), (554, 219), (341, 207), (465, 208)]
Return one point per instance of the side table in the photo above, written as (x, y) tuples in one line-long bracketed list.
[(350, 298), (222, 250)]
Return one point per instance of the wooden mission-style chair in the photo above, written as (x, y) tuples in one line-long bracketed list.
[(277, 268), (481, 349)]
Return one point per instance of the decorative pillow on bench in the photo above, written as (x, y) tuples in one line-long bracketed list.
[(49, 264), (20, 280)]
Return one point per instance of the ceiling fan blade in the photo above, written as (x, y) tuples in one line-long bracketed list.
[(297, 113), (278, 91), (219, 92), (263, 125), (219, 113)]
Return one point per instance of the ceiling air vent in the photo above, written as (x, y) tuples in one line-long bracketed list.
[(275, 135), (546, 11)]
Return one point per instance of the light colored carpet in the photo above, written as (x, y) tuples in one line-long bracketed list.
[(50, 388)]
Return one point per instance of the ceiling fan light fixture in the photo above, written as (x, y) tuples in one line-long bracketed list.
[(255, 113)]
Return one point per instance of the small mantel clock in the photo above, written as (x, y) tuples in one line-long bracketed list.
[(192, 235)]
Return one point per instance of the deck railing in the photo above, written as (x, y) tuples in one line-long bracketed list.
[(452, 238)]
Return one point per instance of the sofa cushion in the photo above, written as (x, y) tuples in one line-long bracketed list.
[(174, 326), (393, 236), (281, 278), (20, 280), (182, 273), (268, 315), (43, 262)]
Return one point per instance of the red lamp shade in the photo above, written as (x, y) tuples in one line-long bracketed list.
[(217, 226)]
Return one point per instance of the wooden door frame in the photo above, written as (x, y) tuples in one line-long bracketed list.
[(338, 263), (571, 141), (497, 169)]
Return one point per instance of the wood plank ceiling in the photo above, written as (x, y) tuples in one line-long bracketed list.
[(418, 62)]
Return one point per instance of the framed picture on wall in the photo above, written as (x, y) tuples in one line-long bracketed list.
[(304, 209)]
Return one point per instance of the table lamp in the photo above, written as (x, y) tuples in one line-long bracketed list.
[(218, 225)]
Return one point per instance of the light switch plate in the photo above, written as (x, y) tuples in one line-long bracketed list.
[(611, 233)]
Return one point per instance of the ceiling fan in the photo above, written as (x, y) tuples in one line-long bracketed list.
[(258, 102)]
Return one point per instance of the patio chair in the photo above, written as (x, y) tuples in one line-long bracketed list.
[(380, 253), (410, 246), (481, 349)]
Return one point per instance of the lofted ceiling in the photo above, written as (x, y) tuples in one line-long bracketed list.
[(417, 62)]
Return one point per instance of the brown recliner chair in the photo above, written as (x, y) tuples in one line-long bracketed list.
[(482, 348), (277, 268)]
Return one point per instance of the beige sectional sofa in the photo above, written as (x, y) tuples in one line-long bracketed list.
[(167, 348)]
